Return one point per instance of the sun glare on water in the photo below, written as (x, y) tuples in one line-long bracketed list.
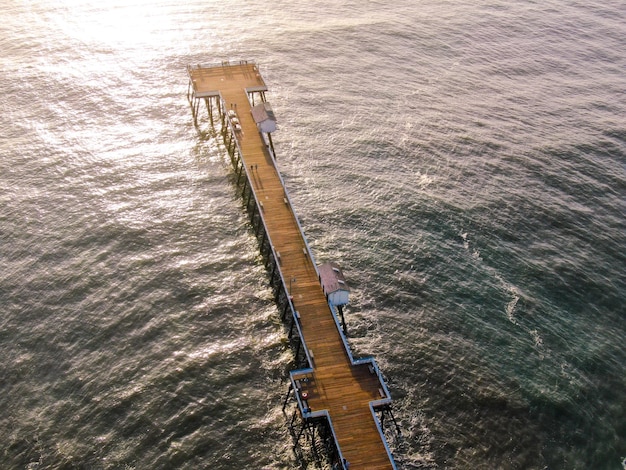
[(114, 24)]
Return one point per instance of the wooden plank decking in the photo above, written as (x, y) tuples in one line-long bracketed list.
[(345, 390)]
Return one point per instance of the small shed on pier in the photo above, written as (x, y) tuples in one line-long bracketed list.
[(334, 284), (263, 115)]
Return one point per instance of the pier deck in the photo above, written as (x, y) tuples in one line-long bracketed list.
[(338, 385)]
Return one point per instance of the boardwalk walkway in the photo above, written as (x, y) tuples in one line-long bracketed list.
[(336, 385)]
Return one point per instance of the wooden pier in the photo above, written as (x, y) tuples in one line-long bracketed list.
[(340, 403)]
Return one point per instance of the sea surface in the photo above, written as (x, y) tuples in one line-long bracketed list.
[(464, 162)]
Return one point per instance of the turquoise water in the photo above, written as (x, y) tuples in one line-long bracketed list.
[(464, 164)]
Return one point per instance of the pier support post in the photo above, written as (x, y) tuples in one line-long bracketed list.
[(253, 211), (262, 243), (285, 311), (273, 274), (269, 137), (298, 349), (195, 103), (221, 112), (291, 325), (239, 169), (317, 437), (386, 411), (245, 187), (344, 327), (287, 397), (257, 229), (248, 200)]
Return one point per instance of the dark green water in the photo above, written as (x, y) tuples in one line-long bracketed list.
[(465, 164)]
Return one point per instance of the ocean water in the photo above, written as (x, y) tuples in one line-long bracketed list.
[(465, 163)]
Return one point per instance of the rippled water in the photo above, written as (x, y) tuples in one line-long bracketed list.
[(465, 164)]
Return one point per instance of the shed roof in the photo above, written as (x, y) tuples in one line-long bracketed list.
[(263, 112), (332, 278)]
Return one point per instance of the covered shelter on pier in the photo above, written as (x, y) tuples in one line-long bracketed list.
[(334, 284), (264, 117)]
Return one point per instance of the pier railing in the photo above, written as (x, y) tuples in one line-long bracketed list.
[(282, 293)]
